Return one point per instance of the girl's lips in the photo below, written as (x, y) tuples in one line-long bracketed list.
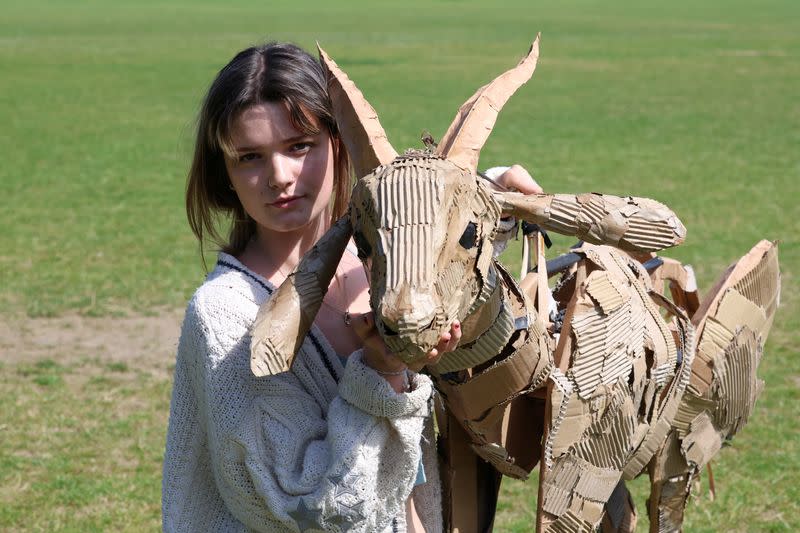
[(283, 203)]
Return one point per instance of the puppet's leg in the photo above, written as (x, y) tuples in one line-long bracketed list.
[(470, 484), (670, 483), (620, 514), (589, 452)]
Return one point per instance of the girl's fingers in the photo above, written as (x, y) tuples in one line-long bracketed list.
[(517, 177), (449, 341), (455, 332), (377, 354)]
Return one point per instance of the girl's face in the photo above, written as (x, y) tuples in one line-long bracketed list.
[(283, 177)]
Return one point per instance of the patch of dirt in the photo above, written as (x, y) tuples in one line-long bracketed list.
[(145, 343)]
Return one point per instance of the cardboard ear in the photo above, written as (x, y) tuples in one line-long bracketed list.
[(358, 122), (629, 223), (284, 320), (475, 119)]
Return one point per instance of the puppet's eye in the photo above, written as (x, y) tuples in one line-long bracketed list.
[(469, 236), (364, 249)]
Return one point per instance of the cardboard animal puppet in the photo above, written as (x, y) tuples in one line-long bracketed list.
[(424, 222), (595, 399)]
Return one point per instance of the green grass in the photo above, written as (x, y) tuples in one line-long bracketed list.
[(694, 105), (82, 448)]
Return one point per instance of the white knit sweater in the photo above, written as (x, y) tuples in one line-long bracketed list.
[(322, 447)]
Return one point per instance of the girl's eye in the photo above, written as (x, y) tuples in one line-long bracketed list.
[(250, 156), (301, 147)]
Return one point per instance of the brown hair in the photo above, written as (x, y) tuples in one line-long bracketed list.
[(273, 72)]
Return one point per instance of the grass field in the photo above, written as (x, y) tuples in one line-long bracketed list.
[(692, 103)]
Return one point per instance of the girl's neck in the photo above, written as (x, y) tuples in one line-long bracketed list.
[(275, 254)]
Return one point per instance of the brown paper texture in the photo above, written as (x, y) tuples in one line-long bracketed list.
[(625, 387), (474, 121)]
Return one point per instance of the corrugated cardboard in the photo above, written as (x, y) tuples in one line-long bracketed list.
[(424, 223), (284, 320), (735, 319), (358, 122), (615, 321)]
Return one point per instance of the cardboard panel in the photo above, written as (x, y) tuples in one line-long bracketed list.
[(284, 320)]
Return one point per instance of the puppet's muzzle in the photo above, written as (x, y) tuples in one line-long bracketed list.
[(408, 322)]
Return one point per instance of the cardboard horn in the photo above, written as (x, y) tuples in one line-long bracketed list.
[(463, 140), (284, 320), (630, 223), (358, 122)]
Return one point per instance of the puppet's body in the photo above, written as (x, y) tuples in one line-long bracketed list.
[(598, 398)]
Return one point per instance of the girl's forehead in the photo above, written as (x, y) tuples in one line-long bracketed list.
[(270, 122), (263, 123)]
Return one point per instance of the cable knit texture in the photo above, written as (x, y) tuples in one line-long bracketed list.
[(321, 447)]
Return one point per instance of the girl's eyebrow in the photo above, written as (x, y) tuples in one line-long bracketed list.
[(288, 140)]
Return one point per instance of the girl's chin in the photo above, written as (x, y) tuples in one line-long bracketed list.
[(292, 223)]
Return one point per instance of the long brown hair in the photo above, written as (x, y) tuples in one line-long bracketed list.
[(273, 72)]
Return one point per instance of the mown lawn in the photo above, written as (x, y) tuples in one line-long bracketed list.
[(692, 103)]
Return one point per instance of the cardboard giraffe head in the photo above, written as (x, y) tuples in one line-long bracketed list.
[(424, 222)]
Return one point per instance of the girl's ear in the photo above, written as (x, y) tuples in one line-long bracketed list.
[(284, 320)]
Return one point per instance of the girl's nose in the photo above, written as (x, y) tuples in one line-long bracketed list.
[(280, 172)]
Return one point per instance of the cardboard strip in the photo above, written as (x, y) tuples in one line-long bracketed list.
[(557, 500), (735, 311), (283, 321), (606, 292), (358, 122), (575, 494), (762, 283), (570, 522), (562, 212), (501, 382), (597, 484), (498, 457), (562, 390), (485, 347), (463, 140), (664, 414), (689, 408), (609, 445), (577, 419), (599, 218), (758, 273), (736, 385), (703, 442)]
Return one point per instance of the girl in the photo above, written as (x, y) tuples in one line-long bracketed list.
[(344, 440)]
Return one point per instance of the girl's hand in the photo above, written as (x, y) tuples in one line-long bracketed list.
[(378, 357), (517, 178)]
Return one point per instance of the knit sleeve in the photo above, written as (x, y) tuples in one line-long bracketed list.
[(283, 460), (353, 471)]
